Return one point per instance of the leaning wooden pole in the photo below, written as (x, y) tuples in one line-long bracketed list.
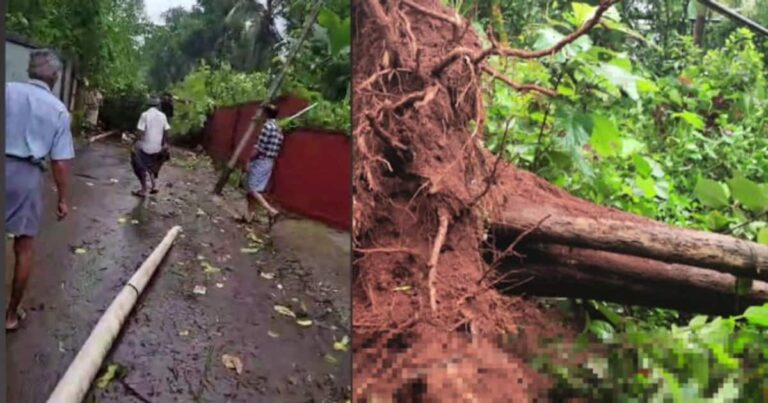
[(76, 382), (274, 87)]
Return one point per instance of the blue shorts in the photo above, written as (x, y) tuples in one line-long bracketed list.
[(259, 172), (23, 197)]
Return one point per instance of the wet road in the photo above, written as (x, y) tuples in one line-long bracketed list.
[(172, 345)]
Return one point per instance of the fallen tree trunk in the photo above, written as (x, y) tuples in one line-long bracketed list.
[(561, 271), (659, 242)]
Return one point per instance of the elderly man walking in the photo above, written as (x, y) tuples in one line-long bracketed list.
[(37, 127)]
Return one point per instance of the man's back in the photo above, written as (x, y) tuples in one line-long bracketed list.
[(153, 123), (36, 123)]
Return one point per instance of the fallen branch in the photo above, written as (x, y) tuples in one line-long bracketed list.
[(101, 136)]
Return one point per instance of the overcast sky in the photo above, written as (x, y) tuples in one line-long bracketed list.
[(155, 8)]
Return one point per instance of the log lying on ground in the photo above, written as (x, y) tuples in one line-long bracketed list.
[(659, 242), (101, 136), (561, 271)]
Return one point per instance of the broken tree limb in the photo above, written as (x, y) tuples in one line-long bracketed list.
[(654, 241), (76, 382), (101, 136), (561, 271)]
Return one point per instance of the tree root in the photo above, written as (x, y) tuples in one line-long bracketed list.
[(442, 230)]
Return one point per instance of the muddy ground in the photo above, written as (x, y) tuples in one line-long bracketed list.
[(172, 345)]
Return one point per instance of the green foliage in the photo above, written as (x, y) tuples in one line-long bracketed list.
[(319, 73), (240, 33), (244, 34), (722, 359), (323, 63), (100, 36), (650, 124), (323, 115), (207, 88)]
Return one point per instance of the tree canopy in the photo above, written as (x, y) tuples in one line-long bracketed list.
[(241, 42)]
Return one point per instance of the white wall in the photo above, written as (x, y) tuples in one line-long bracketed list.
[(16, 62)]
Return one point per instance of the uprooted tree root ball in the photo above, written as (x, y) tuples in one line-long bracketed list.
[(421, 201), (431, 204)]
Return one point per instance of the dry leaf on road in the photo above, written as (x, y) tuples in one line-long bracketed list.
[(232, 362), (284, 310)]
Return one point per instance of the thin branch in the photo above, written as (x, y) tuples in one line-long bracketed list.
[(570, 38), (518, 284), (499, 50), (517, 86)]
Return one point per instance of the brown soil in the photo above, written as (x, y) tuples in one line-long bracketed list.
[(419, 167)]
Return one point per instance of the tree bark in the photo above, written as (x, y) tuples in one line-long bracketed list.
[(654, 241), (562, 271)]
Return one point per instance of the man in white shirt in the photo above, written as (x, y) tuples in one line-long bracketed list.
[(149, 153)]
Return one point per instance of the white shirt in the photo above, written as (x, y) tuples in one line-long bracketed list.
[(153, 123)]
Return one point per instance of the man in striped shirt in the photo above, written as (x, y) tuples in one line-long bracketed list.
[(261, 163)]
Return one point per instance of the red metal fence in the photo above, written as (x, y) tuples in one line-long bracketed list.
[(312, 176)]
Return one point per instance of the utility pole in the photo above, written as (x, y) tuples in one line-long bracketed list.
[(733, 15), (258, 118)]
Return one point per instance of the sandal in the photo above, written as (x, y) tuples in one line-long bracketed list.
[(273, 218), (153, 191), (139, 193), (243, 219), (15, 326)]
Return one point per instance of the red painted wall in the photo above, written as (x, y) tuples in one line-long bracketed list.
[(312, 176)]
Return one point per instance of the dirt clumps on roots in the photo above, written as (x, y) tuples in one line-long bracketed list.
[(422, 300)]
